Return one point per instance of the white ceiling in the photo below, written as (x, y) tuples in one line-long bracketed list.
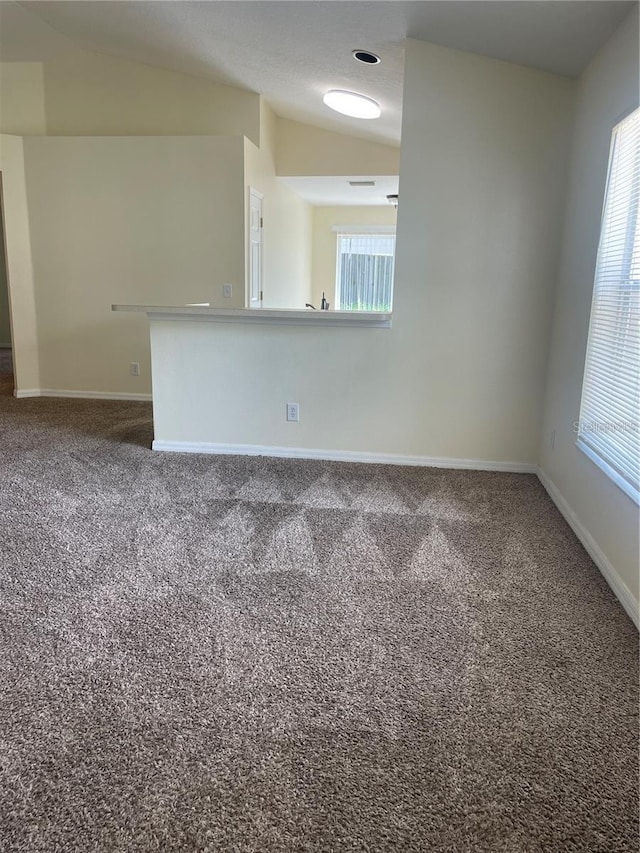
[(323, 191), (292, 52)]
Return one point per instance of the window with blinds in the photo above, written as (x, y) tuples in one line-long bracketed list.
[(608, 426), (364, 274)]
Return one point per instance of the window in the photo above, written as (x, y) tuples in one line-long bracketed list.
[(364, 272), (608, 425)]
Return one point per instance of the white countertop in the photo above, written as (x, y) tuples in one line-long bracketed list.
[(286, 316)]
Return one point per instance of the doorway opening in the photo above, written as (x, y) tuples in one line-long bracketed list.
[(6, 344), (255, 249)]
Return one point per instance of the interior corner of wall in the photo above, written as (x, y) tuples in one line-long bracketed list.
[(250, 147), (19, 262), (22, 98), (253, 125), (268, 127)]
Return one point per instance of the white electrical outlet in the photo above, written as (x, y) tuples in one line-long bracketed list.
[(227, 291), (293, 412), (135, 368)]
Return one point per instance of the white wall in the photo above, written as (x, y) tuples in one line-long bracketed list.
[(154, 220), (461, 373), (481, 201), (608, 90), (325, 243)]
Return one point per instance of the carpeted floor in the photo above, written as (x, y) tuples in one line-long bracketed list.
[(237, 654), (6, 364)]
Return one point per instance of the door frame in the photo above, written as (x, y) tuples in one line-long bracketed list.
[(3, 237), (253, 193)]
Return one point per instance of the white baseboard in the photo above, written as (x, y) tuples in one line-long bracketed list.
[(618, 586), (81, 395), (341, 456)]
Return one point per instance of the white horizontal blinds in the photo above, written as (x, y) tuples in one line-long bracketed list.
[(365, 272), (609, 413)]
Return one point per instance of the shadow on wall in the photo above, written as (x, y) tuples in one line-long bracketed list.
[(5, 323), (6, 355)]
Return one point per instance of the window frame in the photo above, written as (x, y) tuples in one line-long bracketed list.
[(361, 231), (602, 287)]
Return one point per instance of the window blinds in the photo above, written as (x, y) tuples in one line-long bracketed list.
[(365, 272), (608, 425)]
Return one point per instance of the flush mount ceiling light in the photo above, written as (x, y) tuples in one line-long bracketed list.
[(366, 56), (352, 104)]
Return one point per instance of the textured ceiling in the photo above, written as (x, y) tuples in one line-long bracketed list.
[(292, 52)]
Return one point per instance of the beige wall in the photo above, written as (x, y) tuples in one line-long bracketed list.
[(127, 219), (5, 323), (98, 95), (287, 224), (19, 264), (287, 248), (608, 90), (306, 150), (82, 93), (323, 269), (22, 98), (461, 373)]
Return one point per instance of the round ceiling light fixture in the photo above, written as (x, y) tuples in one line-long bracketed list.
[(351, 104), (366, 56)]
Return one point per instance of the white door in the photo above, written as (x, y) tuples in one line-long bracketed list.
[(255, 249)]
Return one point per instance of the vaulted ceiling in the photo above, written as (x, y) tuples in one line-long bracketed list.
[(292, 52)]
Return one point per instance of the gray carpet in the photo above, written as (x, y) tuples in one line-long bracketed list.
[(233, 654), (6, 362)]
